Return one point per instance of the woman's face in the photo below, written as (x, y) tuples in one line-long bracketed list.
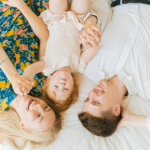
[(34, 113)]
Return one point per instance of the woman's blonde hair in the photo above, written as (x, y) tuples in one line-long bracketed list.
[(10, 130), (62, 105)]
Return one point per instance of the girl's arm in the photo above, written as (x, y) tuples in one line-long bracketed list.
[(36, 23), (34, 68), (89, 53), (17, 81), (130, 119), (91, 44)]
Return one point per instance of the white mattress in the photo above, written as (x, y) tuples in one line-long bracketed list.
[(74, 137)]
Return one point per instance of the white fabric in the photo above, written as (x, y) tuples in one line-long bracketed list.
[(63, 47), (148, 122), (125, 50)]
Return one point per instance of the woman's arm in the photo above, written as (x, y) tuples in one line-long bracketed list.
[(36, 23), (6, 65), (21, 84)]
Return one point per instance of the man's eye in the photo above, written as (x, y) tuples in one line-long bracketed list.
[(38, 116), (56, 86), (86, 100), (65, 89)]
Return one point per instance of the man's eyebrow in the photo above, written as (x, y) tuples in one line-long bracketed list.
[(86, 100), (41, 119)]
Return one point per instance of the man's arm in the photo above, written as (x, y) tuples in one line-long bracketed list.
[(133, 120)]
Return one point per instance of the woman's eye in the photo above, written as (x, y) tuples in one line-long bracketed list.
[(56, 86), (96, 103), (47, 108), (65, 89)]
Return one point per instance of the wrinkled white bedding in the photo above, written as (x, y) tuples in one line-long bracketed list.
[(74, 137)]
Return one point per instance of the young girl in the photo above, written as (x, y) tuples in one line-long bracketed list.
[(63, 55)]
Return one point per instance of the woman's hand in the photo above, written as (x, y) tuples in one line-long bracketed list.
[(21, 84), (14, 3), (91, 36)]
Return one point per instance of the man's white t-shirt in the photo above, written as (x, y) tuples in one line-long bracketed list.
[(125, 50)]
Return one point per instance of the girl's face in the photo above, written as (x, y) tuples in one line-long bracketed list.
[(60, 86)]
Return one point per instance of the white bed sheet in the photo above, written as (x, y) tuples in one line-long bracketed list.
[(74, 137)]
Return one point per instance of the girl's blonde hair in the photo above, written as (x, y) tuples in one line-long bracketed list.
[(10, 130), (62, 105)]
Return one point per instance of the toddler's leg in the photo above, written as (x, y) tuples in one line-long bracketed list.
[(80, 6), (58, 6)]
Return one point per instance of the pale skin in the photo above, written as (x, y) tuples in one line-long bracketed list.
[(130, 119), (108, 95), (62, 78), (13, 76), (34, 113)]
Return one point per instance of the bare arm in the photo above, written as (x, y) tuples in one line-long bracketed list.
[(130, 119), (36, 23), (89, 53), (90, 39), (21, 84), (6, 65), (34, 68)]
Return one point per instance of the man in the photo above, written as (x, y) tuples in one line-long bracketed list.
[(121, 67)]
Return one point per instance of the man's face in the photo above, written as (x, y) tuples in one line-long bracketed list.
[(102, 98)]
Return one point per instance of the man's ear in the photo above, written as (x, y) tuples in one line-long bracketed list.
[(117, 110), (22, 125)]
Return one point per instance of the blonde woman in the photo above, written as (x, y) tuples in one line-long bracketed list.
[(26, 117)]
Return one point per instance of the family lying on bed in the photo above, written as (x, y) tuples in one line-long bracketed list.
[(120, 67)]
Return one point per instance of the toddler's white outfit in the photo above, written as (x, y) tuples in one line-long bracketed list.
[(63, 47)]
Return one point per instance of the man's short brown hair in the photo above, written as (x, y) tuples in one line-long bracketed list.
[(104, 126)]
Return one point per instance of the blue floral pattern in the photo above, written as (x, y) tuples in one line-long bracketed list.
[(20, 44)]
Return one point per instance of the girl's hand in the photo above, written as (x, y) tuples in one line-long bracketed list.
[(22, 84), (91, 36), (14, 3)]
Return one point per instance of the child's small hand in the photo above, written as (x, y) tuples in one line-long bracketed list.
[(91, 36), (13, 3), (22, 84)]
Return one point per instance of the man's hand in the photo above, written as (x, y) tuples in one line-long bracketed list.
[(14, 3), (126, 118), (91, 36), (21, 84)]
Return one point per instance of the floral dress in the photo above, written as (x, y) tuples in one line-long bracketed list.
[(21, 46)]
